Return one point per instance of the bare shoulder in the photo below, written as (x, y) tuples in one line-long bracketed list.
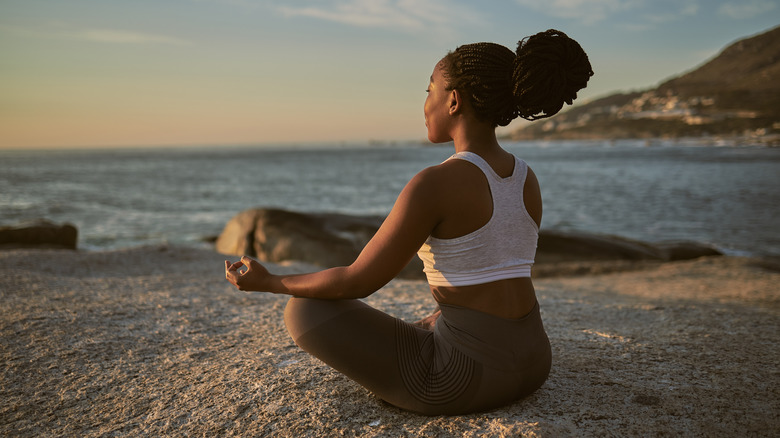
[(458, 186), (450, 174), (441, 187), (438, 177)]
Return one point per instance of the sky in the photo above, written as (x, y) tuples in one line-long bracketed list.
[(104, 73)]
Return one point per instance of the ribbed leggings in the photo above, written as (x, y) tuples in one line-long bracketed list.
[(470, 362)]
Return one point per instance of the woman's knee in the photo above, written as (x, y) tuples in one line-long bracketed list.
[(295, 316), (294, 306), (302, 315)]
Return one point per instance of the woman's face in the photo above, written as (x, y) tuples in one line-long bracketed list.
[(436, 109)]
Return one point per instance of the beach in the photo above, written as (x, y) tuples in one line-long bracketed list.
[(152, 341)]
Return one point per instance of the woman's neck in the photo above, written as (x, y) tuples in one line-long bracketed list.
[(479, 138)]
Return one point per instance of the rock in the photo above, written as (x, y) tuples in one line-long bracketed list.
[(40, 233), (671, 251), (237, 238), (321, 239), (559, 246)]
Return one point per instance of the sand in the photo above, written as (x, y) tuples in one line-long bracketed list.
[(154, 342)]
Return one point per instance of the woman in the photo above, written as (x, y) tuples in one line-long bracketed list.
[(474, 220)]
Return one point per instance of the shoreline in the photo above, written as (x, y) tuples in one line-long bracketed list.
[(153, 341)]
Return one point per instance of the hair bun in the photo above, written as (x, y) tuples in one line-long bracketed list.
[(549, 69)]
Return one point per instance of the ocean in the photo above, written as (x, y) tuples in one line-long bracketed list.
[(726, 196)]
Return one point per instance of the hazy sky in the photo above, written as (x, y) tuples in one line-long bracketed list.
[(167, 72)]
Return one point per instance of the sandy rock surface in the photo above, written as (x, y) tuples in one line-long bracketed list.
[(154, 342)]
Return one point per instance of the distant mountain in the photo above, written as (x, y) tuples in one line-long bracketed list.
[(737, 93)]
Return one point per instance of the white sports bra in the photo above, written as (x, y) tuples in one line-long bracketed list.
[(503, 248)]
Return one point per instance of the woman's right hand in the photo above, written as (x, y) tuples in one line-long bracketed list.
[(252, 279)]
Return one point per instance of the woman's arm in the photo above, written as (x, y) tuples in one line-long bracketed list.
[(414, 215)]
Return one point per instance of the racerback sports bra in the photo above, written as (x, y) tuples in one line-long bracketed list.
[(503, 248)]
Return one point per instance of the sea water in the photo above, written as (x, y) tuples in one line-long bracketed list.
[(728, 197)]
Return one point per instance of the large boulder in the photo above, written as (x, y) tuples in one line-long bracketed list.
[(321, 239), (559, 246), (39, 233)]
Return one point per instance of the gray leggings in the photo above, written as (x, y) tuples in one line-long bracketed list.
[(470, 362)]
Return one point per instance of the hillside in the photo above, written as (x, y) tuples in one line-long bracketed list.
[(736, 94)]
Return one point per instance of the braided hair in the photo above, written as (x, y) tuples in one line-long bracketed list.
[(547, 69)]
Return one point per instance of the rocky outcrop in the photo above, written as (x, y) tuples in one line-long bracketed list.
[(564, 254), (559, 246), (41, 234), (327, 239), (321, 239)]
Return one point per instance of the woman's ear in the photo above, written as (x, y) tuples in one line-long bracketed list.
[(455, 102)]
